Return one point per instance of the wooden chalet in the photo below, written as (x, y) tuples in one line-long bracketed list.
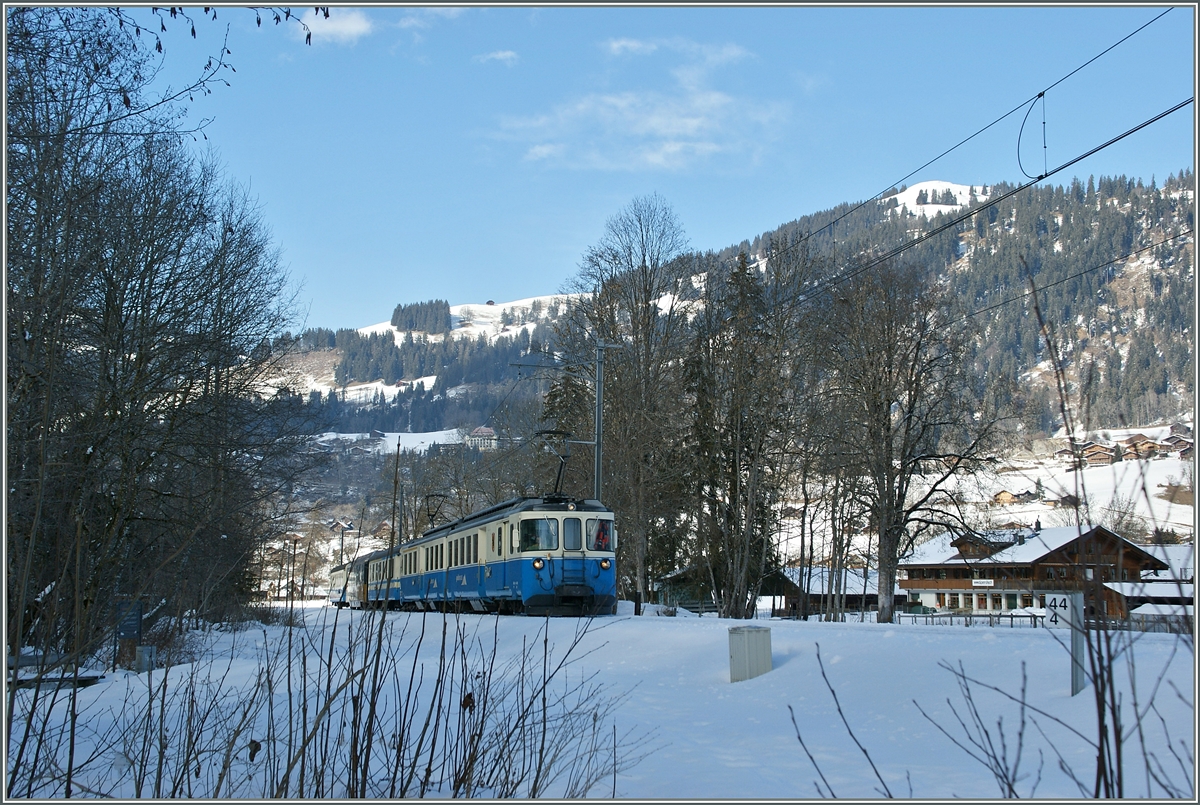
[(1101, 455), (691, 588), (1067, 501), (1003, 571), (1141, 448), (814, 590)]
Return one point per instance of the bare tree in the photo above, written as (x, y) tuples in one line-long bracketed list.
[(630, 284), (909, 412), (143, 294)]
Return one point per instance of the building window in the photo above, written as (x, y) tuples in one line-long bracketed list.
[(996, 602), (1027, 600), (981, 602), (954, 600), (1042, 600), (1010, 600)]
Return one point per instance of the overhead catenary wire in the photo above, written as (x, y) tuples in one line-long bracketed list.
[(897, 251), (1076, 275), (954, 222), (831, 282), (967, 139)]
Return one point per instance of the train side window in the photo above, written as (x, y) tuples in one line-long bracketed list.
[(599, 535), (512, 539), (539, 535), (572, 534)]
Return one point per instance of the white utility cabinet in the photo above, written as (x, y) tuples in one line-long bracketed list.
[(749, 652)]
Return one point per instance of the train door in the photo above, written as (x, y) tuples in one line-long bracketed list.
[(573, 555), (495, 576)]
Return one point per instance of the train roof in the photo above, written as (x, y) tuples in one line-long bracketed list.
[(547, 503), (517, 505)]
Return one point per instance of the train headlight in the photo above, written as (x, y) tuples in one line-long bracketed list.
[(539, 563), (605, 564)]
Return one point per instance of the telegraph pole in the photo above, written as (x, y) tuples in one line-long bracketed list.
[(598, 437)]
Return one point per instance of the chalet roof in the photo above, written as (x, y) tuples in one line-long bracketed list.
[(1180, 559), (852, 582), (939, 551), (1152, 589)]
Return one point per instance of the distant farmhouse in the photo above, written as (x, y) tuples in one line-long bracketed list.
[(1100, 452)]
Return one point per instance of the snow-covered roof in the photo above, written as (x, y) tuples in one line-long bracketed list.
[(1036, 544), (852, 581), (1181, 559), (1163, 610), (1152, 589)]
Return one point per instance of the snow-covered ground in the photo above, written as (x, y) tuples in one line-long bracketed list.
[(472, 320), (704, 736), (1135, 484), (934, 190), (390, 441)]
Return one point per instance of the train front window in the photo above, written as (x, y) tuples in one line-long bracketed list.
[(572, 534), (539, 535), (599, 535)]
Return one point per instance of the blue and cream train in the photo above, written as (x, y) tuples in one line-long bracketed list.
[(551, 555)]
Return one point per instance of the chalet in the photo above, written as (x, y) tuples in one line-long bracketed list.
[(1141, 448), (1015, 569), (1067, 501), (1133, 440), (1004, 498), (812, 591), (1101, 455)]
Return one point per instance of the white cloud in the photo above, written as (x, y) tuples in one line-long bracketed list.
[(507, 57), (673, 127), (619, 46), (344, 26), (426, 17), (809, 84), (544, 151)]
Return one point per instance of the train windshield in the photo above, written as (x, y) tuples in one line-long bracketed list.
[(599, 535), (539, 535), (572, 534)]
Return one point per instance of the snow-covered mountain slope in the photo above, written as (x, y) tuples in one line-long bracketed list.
[(489, 319), (932, 193)]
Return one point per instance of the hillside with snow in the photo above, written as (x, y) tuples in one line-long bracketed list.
[(928, 198), (490, 320)]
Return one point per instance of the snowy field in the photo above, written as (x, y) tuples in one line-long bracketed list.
[(1138, 485), (685, 730)]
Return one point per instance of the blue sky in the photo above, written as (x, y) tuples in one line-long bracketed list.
[(475, 153)]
